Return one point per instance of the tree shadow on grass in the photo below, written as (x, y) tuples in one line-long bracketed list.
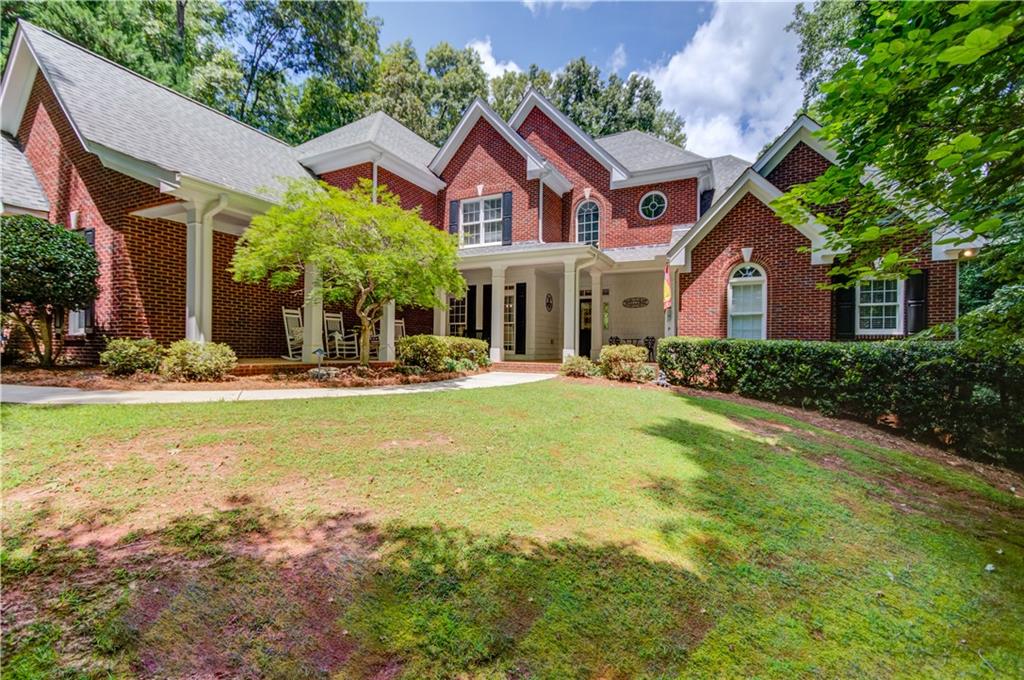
[(238, 594)]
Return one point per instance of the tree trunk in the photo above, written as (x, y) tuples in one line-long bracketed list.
[(364, 340), (46, 331)]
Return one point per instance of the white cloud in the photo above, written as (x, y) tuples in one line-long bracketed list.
[(492, 67), (535, 6), (735, 82), (618, 59)]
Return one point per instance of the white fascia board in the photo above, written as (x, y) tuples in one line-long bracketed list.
[(18, 78), (950, 242), (535, 99), (477, 110), (147, 173), (202, 191), (469, 260), (553, 179), (12, 209), (227, 221), (803, 130), (700, 169), (368, 152), (750, 182)]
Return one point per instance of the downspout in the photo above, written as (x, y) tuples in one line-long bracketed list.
[(374, 194), (540, 211)]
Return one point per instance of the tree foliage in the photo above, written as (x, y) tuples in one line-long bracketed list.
[(46, 271), (367, 252), (927, 118)]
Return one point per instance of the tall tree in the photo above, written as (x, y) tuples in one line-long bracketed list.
[(457, 78), (281, 40), (825, 31), (929, 109), (402, 89), (163, 40), (508, 89)]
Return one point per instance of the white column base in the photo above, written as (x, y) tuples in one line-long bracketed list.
[(570, 303), (497, 352), (312, 317), (198, 278), (568, 352)]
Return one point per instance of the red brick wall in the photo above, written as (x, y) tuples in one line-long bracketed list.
[(411, 196), (346, 178), (486, 158), (621, 222), (142, 261), (796, 309), (553, 210), (802, 164)]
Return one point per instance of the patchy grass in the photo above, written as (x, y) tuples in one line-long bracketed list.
[(549, 530)]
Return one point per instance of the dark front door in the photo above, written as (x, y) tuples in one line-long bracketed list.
[(487, 314), (586, 319)]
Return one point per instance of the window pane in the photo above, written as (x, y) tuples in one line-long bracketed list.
[(471, 234), (587, 221), (492, 232), (509, 319), (747, 299), (492, 209), (471, 212), (747, 326)]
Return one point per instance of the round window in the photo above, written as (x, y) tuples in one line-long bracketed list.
[(653, 204)]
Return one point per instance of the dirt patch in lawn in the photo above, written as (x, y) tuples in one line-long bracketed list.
[(93, 378)]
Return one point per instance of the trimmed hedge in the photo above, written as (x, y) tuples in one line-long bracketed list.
[(438, 354), (933, 390), (625, 362), (124, 356), (197, 361)]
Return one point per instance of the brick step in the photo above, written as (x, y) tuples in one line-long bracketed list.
[(526, 366)]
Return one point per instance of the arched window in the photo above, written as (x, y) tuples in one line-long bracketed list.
[(748, 299), (653, 205), (588, 215)]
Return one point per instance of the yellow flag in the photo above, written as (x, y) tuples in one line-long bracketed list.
[(666, 293)]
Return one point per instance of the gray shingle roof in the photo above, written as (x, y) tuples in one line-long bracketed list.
[(382, 130), (18, 184), (114, 107), (726, 170), (640, 152)]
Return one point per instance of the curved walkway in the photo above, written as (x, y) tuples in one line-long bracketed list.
[(34, 394)]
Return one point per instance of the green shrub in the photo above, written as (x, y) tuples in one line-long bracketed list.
[(427, 352), (195, 361), (124, 356), (625, 362), (469, 349), (579, 367), (939, 391), (438, 354)]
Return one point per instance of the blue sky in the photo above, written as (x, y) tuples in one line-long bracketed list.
[(729, 68)]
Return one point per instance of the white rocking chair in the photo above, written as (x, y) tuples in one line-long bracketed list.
[(338, 342), (293, 333)]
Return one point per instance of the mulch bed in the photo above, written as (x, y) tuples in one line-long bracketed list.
[(93, 378)]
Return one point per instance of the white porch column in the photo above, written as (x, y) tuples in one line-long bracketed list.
[(497, 313), (440, 313), (386, 351), (596, 314), (570, 295), (312, 316), (198, 274)]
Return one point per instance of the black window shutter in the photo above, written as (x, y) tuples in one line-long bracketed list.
[(844, 310), (487, 312), (471, 312), (453, 217), (506, 218), (90, 311), (520, 318), (917, 302)]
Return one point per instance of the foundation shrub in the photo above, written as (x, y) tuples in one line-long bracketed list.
[(625, 362), (124, 356), (198, 362)]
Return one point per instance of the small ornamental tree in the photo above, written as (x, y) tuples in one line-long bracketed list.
[(368, 253), (46, 270)]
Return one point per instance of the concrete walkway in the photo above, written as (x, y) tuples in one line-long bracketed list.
[(32, 394)]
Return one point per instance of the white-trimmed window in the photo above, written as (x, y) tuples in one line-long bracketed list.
[(457, 317), (481, 221), (588, 218), (509, 319), (879, 307), (748, 302), (653, 205)]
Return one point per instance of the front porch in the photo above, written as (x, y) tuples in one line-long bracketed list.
[(557, 300)]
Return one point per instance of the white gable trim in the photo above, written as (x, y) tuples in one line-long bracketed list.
[(368, 152), (803, 130), (534, 99), (749, 182), (536, 166), (700, 169)]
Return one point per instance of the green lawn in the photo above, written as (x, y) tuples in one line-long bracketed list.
[(549, 530)]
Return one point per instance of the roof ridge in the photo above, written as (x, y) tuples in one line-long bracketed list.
[(153, 82)]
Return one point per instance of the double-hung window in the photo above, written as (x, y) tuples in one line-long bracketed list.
[(747, 303), (509, 319), (457, 317), (481, 221), (879, 307)]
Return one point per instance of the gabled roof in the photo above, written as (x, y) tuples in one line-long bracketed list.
[(642, 152), (536, 165), (140, 127), (802, 129), (19, 188), (377, 137), (534, 99), (750, 182)]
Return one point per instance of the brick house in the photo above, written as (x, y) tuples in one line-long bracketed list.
[(567, 241)]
